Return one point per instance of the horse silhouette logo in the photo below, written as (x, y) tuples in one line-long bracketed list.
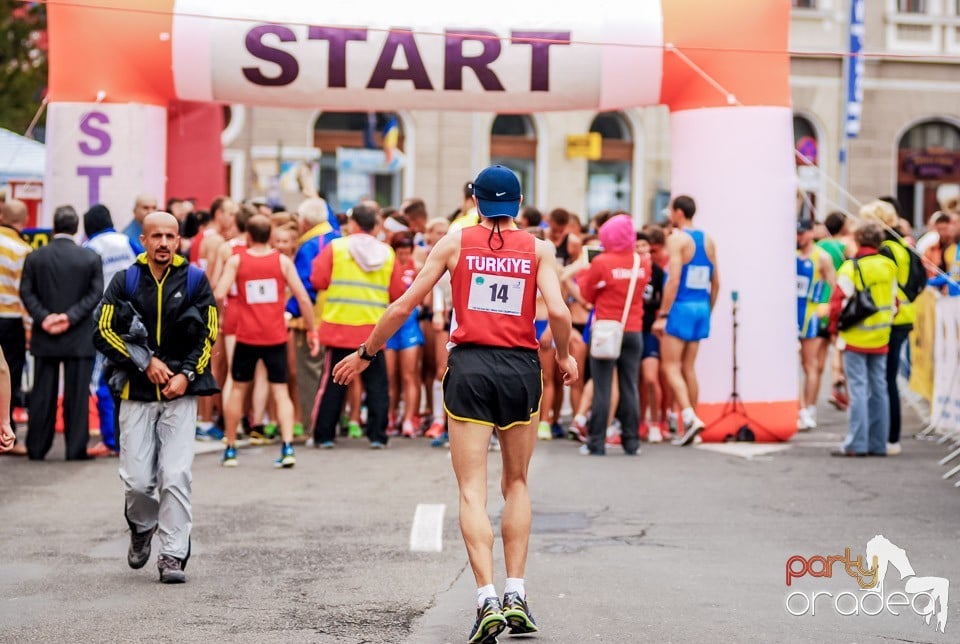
[(924, 596), (885, 553)]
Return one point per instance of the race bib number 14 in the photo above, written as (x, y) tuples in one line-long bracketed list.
[(496, 294)]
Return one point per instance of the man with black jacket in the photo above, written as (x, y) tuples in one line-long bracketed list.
[(158, 406), (60, 287)]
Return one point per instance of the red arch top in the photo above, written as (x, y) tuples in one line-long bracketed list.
[(741, 44), (79, 51)]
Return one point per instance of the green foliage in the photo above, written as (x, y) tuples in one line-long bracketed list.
[(23, 62)]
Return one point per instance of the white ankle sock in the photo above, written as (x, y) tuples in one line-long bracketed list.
[(515, 585), (812, 410), (688, 415), (485, 592)]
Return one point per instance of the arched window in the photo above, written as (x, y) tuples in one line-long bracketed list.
[(928, 169), (513, 143), (609, 178), (354, 163), (806, 153)]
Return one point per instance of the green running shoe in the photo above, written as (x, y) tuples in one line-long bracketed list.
[(490, 622), (518, 615), (354, 430)]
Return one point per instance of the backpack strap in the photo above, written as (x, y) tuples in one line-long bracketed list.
[(194, 277), (131, 280)]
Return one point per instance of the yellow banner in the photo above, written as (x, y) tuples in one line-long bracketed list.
[(921, 344)]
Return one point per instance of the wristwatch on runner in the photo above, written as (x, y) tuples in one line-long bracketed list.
[(191, 376), (362, 351)]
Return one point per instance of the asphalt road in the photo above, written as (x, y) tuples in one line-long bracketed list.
[(678, 545)]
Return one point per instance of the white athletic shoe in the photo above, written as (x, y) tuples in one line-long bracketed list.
[(893, 449), (805, 421), (691, 432), (653, 433)]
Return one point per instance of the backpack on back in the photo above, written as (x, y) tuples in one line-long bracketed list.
[(916, 274)]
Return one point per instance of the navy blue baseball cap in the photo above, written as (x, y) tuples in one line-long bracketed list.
[(497, 190)]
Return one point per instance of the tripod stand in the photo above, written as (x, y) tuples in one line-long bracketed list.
[(734, 406)]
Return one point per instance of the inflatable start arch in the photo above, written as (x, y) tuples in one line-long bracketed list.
[(137, 111)]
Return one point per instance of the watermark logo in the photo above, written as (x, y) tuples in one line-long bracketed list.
[(924, 596)]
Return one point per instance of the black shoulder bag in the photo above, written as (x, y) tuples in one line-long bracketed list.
[(859, 306)]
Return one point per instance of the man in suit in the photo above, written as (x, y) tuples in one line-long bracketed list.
[(61, 285)]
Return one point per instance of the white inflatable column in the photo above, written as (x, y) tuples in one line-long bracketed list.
[(104, 153), (737, 164)]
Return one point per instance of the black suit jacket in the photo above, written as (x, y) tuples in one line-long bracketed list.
[(62, 277)]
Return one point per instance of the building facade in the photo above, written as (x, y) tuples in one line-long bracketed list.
[(908, 145)]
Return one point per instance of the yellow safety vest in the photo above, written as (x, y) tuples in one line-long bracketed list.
[(880, 275), (952, 260), (906, 312), (355, 297)]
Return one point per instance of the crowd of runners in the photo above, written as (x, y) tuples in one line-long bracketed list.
[(287, 282), (485, 329)]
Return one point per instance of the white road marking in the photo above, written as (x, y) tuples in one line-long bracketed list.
[(743, 450), (426, 533), (819, 444)]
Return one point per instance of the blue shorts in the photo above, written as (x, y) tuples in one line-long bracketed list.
[(651, 347), (689, 321), (407, 336), (808, 322), (540, 326)]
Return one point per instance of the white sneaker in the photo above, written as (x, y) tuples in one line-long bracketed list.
[(653, 433), (691, 432), (805, 421), (893, 449)]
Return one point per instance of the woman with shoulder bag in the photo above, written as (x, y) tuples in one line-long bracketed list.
[(614, 286), (862, 309)]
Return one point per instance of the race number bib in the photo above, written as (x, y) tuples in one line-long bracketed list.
[(698, 277), (803, 285), (496, 294), (262, 291)]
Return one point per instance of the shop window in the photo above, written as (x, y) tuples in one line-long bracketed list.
[(928, 169), (609, 177), (355, 164), (513, 144)]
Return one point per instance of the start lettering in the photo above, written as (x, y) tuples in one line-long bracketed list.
[(282, 67), (509, 265)]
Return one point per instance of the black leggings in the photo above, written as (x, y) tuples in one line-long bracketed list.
[(898, 336)]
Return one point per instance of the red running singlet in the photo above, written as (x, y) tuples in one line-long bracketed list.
[(229, 323), (194, 254), (259, 306), (495, 291)]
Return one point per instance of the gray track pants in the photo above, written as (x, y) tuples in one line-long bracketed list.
[(156, 457)]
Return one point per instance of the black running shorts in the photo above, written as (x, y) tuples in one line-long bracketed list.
[(492, 385), (246, 356)]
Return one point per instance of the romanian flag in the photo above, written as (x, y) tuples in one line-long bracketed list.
[(391, 138)]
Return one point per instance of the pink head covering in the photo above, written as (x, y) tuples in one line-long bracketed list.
[(618, 234)]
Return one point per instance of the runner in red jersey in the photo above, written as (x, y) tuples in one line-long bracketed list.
[(261, 275), (493, 377)]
